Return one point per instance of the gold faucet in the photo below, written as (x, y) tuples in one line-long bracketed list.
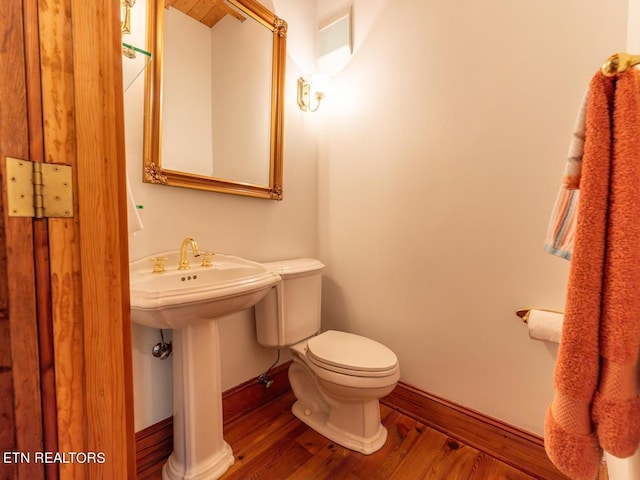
[(184, 263)]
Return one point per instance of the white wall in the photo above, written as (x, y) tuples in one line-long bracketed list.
[(442, 151), (440, 154), (256, 229)]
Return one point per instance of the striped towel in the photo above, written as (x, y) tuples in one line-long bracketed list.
[(562, 225)]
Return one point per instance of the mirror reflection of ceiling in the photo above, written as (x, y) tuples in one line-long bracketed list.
[(208, 12)]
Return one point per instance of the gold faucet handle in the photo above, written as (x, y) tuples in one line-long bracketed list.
[(207, 261), (158, 264)]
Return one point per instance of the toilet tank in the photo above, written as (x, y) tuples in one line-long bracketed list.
[(290, 312)]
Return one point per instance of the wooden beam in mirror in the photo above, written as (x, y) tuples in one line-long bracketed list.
[(208, 12), (219, 129)]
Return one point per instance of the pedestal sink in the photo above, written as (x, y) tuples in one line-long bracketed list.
[(189, 302)]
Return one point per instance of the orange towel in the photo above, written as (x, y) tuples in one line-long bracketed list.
[(596, 404)]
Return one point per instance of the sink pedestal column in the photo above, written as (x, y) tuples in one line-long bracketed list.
[(199, 451)]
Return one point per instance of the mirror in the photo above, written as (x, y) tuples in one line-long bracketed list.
[(214, 107)]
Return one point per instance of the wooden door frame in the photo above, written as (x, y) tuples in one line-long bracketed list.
[(89, 255), (20, 401), (103, 235), (71, 83)]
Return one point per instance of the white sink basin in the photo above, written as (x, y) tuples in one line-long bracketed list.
[(189, 302), (178, 298)]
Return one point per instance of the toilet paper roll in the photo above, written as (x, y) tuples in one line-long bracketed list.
[(545, 325)]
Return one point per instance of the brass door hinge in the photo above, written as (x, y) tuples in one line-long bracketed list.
[(38, 189)]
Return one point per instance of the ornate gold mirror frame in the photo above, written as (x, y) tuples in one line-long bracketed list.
[(152, 160)]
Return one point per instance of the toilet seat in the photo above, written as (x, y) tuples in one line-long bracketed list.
[(351, 354)]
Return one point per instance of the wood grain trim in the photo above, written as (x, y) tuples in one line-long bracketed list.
[(58, 117), (18, 284), (41, 244), (102, 219), (155, 443), (82, 110), (511, 445)]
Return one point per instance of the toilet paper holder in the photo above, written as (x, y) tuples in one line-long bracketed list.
[(524, 314)]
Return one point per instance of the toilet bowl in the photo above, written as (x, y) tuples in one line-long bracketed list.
[(336, 377), (338, 398)]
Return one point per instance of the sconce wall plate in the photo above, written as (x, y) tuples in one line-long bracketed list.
[(304, 92), (125, 15), (304, 96)]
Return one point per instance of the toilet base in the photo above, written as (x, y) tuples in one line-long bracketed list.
[(319, 421)]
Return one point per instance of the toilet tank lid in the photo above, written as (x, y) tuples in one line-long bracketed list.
[(296, 266)]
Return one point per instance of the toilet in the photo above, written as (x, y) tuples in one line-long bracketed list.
[(336, 377)]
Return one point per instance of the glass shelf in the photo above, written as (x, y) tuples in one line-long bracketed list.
[(134, 61)]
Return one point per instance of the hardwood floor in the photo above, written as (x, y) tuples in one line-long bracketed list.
[(272, 444)]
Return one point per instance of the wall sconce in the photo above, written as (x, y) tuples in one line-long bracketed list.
[(304, 96), (125, 15), (125, 25), (136, 64)]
